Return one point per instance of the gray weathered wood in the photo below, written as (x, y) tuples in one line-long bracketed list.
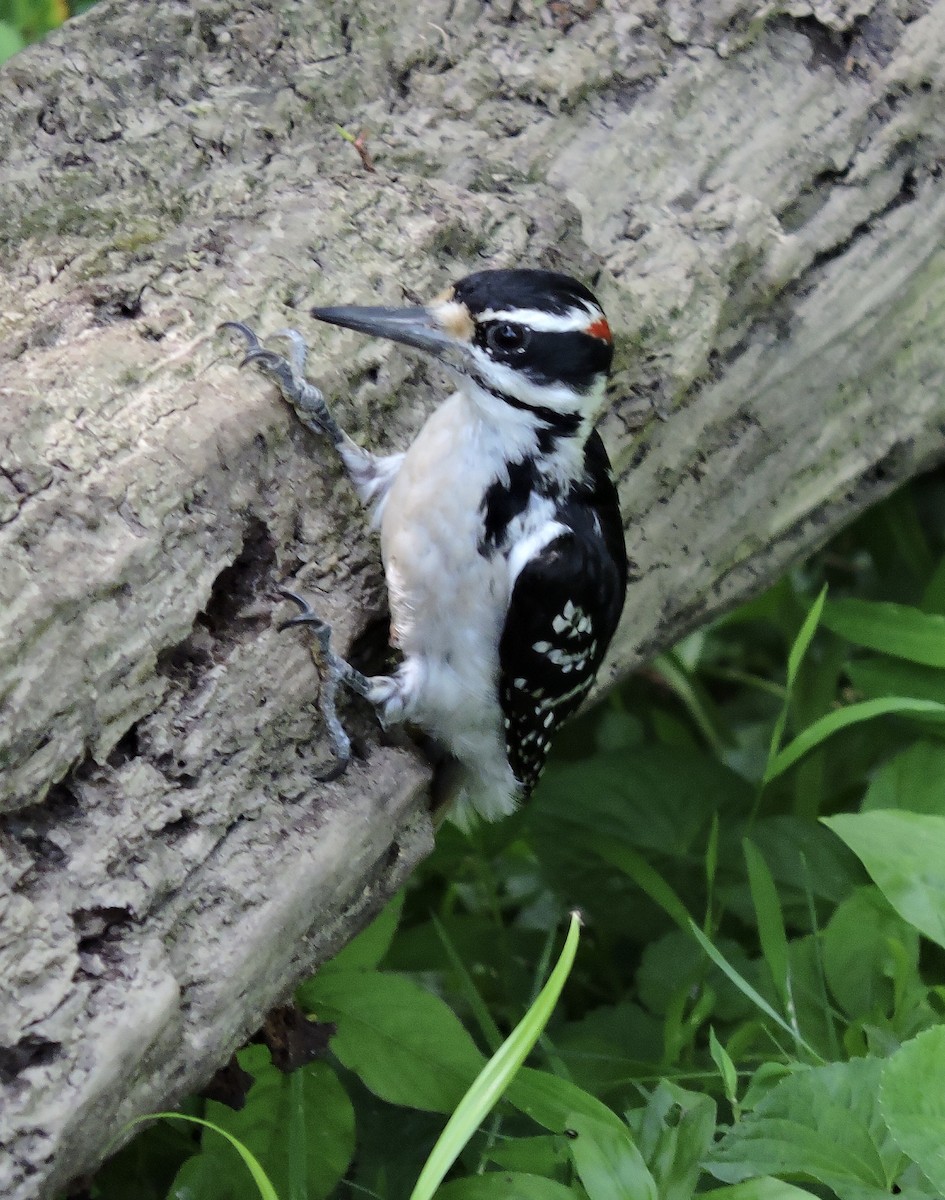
[(753, 190)]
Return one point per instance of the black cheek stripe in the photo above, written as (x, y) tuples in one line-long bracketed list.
[(563, 424)]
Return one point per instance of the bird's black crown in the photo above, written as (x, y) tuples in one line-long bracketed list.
[(545, 291)]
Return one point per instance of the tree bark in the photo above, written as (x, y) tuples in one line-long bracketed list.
[(754, 192)]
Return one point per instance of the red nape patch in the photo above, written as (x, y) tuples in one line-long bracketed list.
[(600, 329)]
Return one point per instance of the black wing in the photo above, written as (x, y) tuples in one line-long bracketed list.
[(563, 611)]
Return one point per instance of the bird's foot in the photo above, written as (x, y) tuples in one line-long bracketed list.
[(335, 673), (382, 691), (288, 373)]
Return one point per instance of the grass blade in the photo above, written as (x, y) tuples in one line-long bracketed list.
[(496, 1075), (795, 658), (260, 1178), (821, 729), (747, 990), (658, 889), (771, 932), (487, 1026)]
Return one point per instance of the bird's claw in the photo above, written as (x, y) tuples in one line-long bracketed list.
[(288, 373), (335, 771), (306, 612), (307, 616), (242, 328), (267, 359), (336, 672)]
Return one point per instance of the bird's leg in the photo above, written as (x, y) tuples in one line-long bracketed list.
[(371, 474), (383, 691)]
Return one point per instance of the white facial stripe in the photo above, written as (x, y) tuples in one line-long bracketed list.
[(509, 382), (557, 396), (573, 321)]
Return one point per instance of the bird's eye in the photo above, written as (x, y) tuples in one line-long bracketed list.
[(506, 337)]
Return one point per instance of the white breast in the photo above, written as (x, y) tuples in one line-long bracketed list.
[(447, 600)]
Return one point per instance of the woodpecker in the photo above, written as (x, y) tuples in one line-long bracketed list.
[(500, 526)]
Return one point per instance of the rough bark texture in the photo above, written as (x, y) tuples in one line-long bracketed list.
[(752, 189)]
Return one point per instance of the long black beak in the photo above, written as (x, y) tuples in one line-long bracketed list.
[(415, 327)]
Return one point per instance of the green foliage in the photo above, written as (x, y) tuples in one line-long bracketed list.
[(298, 1128), (496, 1076), (25, 21), (205, 1176), (754, 830), (821, 1123), (404, 1043), (904, 853), (912, 1102)]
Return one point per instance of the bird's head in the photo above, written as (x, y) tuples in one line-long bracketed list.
[(534, 343)]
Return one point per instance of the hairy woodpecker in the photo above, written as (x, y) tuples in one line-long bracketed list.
[(500, 527)]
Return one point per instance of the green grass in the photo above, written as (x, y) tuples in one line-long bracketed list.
[(754, 831)]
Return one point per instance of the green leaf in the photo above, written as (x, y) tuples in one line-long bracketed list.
[(299, 1127), (726, 1069), (643, 875), (405, 1043), (674, 1133), (795, 658), (680, 679), (657, 889), (672, 965), (880, 676), (810, 1003), (654, 797), (145, 1168), (607, 1162), (933, 597), (263, 1185), (550, 1101), (763, 1188), (803, 855), (890, 628), (747, 990), (497, 1073), (805, 637), (864, 944), (608, 1045), (822, 1123), (904, 854), (10, 41), (820, 730), (505, 1185), (478, 1007), (912, 1100), (542, 1154), (914, 780)]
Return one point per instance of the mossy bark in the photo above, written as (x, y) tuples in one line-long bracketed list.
[(753, 190)]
